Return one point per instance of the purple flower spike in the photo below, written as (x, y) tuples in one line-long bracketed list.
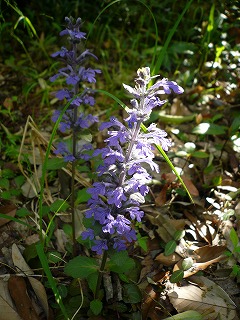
[(75, 74), (123, 181)]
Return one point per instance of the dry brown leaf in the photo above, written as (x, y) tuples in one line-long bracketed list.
[(166, 226), (207, 298), (18, 290), (40, 293), (171, 177), (8, 311), (168, 260), (204, 257), (161, 199), (20, 262), (148, 307), (9, 210)]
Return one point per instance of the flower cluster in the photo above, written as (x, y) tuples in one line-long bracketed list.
[(123, 180), (75, 74)]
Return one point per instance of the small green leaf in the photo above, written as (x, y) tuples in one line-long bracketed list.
[(179, 234), (170, 247), (187, 263), (142, 241), (55, 163), (209, 128), (6, 195), (30, 252), (187, 315), (92, 281), (81, 267), (200, 154), (132, 294), (4, 183), (177, 276), (19, 180), (54, 257), (82, 196), (23, 212), (235, 126), (63, 290), (123, 277), (96, 306), (120, 262), (166, 118), (59, 205), (234, 237)]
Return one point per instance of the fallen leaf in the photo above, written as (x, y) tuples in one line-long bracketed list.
[(161, 198), (168, 260), (171, 177), (9, 210), (18, 290), (8, 311), (205, 297), (40, 293), (204, 257), (20, 262)]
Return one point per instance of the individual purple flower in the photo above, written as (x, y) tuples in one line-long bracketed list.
[(88, 234), (116, 197), (63, 150), (73, 30), (100, 246)]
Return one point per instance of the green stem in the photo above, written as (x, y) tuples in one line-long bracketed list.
[(100, 274)]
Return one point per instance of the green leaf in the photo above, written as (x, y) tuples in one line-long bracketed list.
[(82, 196), (132, 294), (6, 195), (19, 180), (81, 267), (235, 126), (187, 263), (142, 241), (54, 257), (55, 163), (120, 262), (51, 279), (92, 281), (209, 128), (96, 306), (30, 252), (179, 234), (23, 212), (200, 154), (4, 183), (63, 290), (187, 315), (170, 247), (234, 237), (123, 277), (177, 276), (59, 205), (166, 118)]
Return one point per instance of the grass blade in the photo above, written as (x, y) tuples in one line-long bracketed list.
[(44, 262), (155, 68)]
